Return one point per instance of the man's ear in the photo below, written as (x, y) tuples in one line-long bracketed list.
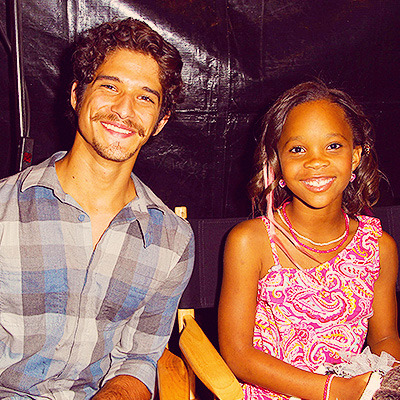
[(161, 124), (73, 97)]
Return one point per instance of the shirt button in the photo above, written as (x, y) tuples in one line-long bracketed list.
[(81, 218)]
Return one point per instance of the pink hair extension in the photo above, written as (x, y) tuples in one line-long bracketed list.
[(269, 178)]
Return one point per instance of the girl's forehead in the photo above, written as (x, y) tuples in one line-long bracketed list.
[(317, 117), (317, 108)]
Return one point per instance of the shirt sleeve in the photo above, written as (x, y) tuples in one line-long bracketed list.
[(149, 329)]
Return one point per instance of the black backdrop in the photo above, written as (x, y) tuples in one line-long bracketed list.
[(239, 56)]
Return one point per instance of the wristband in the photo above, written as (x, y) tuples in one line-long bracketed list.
[(327, 387), (374, 383)]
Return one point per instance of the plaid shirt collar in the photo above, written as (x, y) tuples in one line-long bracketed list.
[(45, 175)]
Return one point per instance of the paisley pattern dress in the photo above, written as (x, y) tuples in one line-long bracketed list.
[(316, 316)]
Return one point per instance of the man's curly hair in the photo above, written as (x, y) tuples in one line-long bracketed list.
[(95, 44)]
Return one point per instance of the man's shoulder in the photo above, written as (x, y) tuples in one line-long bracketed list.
[(171, 220), (12, 183), (35, 175)]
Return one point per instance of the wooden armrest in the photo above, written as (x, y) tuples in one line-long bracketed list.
[(206, 362), (173, 379)]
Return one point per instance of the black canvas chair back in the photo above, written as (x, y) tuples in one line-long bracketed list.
[(210, 234)]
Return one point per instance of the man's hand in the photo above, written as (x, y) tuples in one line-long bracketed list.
[(123, 387)]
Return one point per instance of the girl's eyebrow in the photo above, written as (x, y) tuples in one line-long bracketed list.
[(336, 134), (116, 79), (292, 139), (328, 136)]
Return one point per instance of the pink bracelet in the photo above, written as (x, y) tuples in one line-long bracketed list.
[(327, 387)]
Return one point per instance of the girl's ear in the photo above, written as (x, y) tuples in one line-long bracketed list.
[(356, 157)]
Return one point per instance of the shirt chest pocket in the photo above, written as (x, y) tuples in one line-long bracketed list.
[(121, 301)]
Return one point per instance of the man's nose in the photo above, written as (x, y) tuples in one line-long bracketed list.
[(124, 106)]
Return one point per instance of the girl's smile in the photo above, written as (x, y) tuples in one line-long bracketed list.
[(318, 184)]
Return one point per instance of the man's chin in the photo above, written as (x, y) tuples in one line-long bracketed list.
[(115, 155)]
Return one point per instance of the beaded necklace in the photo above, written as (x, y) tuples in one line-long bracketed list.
[(306, 238), (295, 234)]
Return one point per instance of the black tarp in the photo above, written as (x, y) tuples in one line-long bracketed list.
[(239, 56)]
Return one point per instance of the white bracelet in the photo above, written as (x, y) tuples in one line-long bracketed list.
[(327, 387), (374, 383)]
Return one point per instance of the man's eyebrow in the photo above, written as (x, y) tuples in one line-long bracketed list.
[(107, 77), (155, 92), (116, 79)]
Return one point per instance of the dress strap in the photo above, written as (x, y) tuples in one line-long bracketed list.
[(267, 224)]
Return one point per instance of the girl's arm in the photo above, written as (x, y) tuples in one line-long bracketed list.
[(247, 256), (382, 327)]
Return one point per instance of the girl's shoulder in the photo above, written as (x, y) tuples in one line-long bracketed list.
[(250, 239), (370, 224), (249, 230), (387, 245)]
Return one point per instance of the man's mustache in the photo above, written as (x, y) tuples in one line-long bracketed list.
[(127, 122)]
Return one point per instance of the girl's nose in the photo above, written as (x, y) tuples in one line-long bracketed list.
[(316, 160), (124, 106)]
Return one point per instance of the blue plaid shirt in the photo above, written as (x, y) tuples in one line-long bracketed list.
[(72, 317)]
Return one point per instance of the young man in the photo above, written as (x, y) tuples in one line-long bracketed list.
[(92, 263)]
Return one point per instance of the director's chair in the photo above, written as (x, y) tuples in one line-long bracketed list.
[(197, 355)]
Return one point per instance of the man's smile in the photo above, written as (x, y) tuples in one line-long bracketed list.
[(118, 129)]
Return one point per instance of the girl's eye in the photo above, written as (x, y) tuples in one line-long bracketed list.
[(334, 146), (296, 149)]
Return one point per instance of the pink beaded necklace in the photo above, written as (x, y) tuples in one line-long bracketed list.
[(293, 233)]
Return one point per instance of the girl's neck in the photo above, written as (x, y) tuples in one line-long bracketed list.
[(321, 224)]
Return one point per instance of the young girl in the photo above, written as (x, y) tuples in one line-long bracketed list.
[(307, 285)]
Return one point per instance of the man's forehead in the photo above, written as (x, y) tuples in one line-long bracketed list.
[(131, 58)]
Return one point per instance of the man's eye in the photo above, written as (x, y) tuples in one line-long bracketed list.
[(108, 86), (146, 98), (297, 149)]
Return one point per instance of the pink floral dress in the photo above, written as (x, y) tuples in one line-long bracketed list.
[(313, 317)]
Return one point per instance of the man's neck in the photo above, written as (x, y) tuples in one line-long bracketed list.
[(95, 183), (101, 187)]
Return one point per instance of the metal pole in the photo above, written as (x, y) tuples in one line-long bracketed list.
[(25, 147)]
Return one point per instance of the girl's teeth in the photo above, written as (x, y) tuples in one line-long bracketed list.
[(318, 183)]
